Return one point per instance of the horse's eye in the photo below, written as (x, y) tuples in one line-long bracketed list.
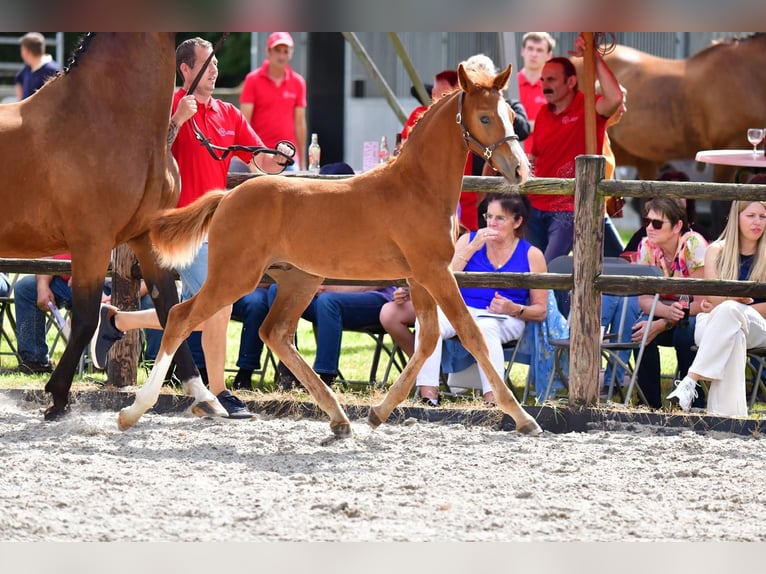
[(485, 119)]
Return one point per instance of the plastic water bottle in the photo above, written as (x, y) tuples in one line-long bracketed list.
[(383, 150), (684, 301), (397, 145), (315, 153)]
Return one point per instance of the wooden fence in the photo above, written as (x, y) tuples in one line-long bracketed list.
[(586, 281)]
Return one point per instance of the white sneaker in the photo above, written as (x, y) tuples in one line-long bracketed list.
[(685, 392)]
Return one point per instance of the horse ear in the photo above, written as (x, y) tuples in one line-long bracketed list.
[(501, 80), (463, 80)]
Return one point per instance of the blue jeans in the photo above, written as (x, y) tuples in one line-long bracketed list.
[(251, 309), (30, 321), (552, 232), (611, 311), (612, 241), (333, 312)]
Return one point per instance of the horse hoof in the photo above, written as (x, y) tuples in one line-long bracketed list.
[(124, 422), (209, 409), (530, 429), (341, 430), (373, 419), (55, 412)]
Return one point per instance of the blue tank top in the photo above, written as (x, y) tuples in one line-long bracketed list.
[(745, 263), (480, 297)]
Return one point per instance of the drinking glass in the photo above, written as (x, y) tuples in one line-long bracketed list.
[(754, 136)]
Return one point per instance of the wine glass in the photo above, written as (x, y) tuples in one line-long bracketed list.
[(755, 136)]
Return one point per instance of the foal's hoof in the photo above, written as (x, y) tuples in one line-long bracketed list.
[(373, 419), (124, 420), (341, 430), (209, 409), (56, 412), (530, 429)]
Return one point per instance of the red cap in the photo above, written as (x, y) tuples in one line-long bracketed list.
[(277, 38)]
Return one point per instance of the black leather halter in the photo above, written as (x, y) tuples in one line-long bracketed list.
[(469, 139)]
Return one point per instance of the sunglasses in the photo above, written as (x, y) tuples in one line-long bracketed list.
[(656, 223)]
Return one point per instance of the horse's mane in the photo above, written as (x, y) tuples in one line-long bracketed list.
[(426, 115), (77, 53)]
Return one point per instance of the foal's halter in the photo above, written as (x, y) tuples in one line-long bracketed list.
[(469, 139)]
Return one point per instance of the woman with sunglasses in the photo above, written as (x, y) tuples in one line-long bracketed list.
[(679, 252), (728, 326), (500, 313)]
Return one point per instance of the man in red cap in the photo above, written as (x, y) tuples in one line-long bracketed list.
[(273, 97)]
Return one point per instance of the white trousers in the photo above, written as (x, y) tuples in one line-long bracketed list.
[(496, 332), (723, 337)]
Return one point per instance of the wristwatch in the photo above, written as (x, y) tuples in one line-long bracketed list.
[(668, 324)]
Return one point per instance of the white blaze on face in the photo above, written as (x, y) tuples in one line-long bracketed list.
[(516, 149)]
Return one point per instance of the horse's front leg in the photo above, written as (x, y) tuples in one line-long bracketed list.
[(428, 338), (445, 291)]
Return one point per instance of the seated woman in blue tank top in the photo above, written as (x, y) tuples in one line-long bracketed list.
[(500, 313)]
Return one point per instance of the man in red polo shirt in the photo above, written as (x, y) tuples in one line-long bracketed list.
[(273, 97), (559, 138)]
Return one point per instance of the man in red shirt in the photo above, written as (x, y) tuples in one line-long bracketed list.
[(536, 49), (273, 97), (559, 138), (224, 124)]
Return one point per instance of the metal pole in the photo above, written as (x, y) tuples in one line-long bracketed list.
[(375, 74), (407, 63)]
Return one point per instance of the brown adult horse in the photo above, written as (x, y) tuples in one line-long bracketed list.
[(86, 167), (391, 222), (678, 107)]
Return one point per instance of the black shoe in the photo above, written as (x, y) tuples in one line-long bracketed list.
[(233, 406), (243, 380), (34, 368), (327, 378), (430, 402), (286, 381), (105, 336)]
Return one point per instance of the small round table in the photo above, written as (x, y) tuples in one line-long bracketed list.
[(737, 157)]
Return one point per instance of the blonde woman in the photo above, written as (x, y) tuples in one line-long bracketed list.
[(728, 326)]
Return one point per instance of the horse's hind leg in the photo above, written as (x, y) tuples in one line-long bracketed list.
[(295, 291), (428, 338), (88, 269), (181, 321), (444, 289)]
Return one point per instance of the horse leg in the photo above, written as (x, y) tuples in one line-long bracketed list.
[(162, 288), (88, 273), (295, 292), (444, 289), (428, 338), (181, 322)]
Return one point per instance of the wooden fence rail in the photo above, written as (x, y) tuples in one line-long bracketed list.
[(586, 281)]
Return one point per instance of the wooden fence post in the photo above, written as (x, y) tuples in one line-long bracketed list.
[(122, 368), (585, 313)]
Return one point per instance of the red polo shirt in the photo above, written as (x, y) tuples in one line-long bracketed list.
[(559, 138), (532, 98), (274, 105), (225, 125)]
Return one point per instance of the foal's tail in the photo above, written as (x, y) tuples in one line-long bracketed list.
[(177, 234)]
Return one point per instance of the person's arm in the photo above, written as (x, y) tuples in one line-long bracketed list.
[(44, 293), (521, 124), (187, 107), (300, 136), (19, 92), (612, 95), (247, 111)]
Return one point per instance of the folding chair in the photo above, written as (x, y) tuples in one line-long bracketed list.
[(8, 321), (610, 345), (757, 359), (461, 372), (396, 357)]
